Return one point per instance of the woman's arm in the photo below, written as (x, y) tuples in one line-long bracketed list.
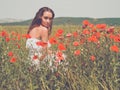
[(44, 35), (44, 38)]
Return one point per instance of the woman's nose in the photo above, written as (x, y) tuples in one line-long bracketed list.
[(48, 20)]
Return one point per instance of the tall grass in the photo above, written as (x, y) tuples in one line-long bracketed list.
[(92, 60)]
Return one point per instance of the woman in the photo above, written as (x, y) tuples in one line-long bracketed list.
[(39, 31)]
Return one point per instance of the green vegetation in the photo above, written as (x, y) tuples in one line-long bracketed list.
[(92, 62), (73, 21)]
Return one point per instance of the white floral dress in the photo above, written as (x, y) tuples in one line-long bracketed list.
[(34, 50)]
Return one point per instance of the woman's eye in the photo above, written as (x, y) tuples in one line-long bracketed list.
[(47, 18)]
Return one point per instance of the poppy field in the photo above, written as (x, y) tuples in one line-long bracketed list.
[(88, 58)]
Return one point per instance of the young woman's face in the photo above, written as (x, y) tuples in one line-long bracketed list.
[(47, 19)]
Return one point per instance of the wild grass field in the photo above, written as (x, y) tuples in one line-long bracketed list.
[(92, 59)]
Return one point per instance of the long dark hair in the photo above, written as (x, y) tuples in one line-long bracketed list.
[(37, 20)]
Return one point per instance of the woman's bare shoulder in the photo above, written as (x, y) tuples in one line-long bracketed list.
[(34, 32), (42, 28)]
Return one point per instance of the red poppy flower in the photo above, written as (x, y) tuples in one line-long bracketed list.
[(35, 57), (76, 43), (92, 39), (10, 53), (4, 34), (101, 26), (112, 36), (69, 35), (86, 22), (91, 26), (75, 34), (40, 43), (114, 48), (82, 41), (86, 31), (52, 40), (13, 59), (61, 47), (116, 38), (26, 36), (77, 52), (59, 56), (92, 58), (110, 30), (97, 34), (93, 30), (13, 33), (18, 36), (59, 32), (7, 39)]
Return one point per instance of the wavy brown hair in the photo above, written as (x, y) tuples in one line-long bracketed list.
[(37, 20)]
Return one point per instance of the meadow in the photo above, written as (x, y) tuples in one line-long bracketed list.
[(92, 59)]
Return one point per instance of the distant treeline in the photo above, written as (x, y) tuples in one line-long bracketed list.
[(73, 21)]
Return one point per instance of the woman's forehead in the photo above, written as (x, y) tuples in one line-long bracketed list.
[(47, 13)]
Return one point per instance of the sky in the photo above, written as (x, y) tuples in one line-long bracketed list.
[(26, 9)]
